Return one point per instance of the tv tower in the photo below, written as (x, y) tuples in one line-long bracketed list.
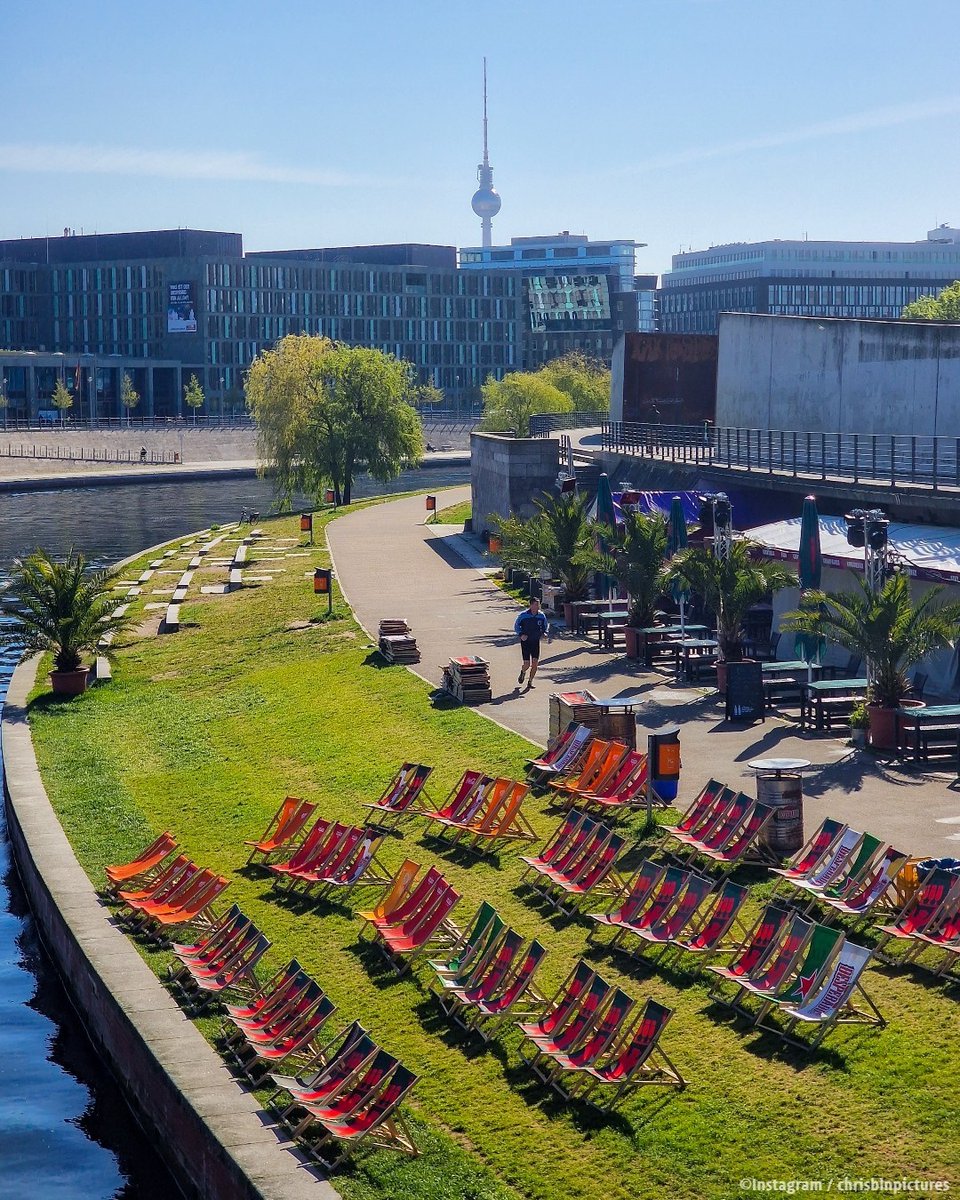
[(486, 201)]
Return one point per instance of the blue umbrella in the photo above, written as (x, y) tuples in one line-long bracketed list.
[(806, 645), (605, 514), (675, 543)]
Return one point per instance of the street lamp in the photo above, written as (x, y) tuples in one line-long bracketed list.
[(222, 382)]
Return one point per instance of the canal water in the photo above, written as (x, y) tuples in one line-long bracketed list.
[(64, 1132)]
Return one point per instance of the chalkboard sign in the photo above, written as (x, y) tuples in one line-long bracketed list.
[(745, 691)]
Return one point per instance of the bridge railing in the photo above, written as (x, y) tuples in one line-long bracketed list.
[(893, 459), (543, 424)]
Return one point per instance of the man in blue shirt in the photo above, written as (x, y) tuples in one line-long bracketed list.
[(530, 627)]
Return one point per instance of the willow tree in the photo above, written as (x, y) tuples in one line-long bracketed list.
[(510, 402), (326, 412)]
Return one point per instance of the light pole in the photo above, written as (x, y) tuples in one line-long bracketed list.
[(869, 528), (221, 397), (720, 510)]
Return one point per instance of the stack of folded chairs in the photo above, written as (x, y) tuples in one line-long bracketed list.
[(397, 644)]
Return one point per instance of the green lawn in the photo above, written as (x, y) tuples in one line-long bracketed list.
[(205, 731), (455, 514)]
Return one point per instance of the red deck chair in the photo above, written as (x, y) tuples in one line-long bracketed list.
[(588, 837), (638, 892), (305, 852), (406, 942), (556, 844), (168, 890), (485, 982), (761, 940), (596, 778), (209, 941), (720, 833), (403, 794), (271, 997), (396, 894), (943, 934), (707, 817), (236, 971), (378, 1121), (146, 865), (286, 1018), (779, 965), (505, 1005), (640, 1060), (605, 1033), (710, 934), (659, 902), (581, 1023), (831, 1003), (304, 876), (361, 868), (821, 950), (854, 873), (934, 900), (457, 800), (667, 930), (294, 1038), (593, 874), (338, 850), (625, 787), (869, 894), (412, 900), (833, 865), (562, 1005), (813, 852), (707, 800), (287, 822), (745, 837), (196, 907), (354, 1053)]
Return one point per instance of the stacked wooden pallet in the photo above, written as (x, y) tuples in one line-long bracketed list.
[(397, 644), (468, 679)]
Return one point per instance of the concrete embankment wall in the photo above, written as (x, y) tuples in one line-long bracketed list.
[(212, 1134), (506, 474)]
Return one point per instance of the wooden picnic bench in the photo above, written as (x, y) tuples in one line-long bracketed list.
[(825, 699), (933, 729)]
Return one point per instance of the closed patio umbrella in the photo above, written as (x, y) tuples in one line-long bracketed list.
[(605, 514), (677, 541), (810, 571)]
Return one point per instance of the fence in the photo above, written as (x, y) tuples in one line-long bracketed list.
[(892, 459), (543, 424), (83, 455)]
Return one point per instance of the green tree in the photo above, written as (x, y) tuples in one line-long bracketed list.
[(326, 412), (128, 397), (568, 542), (193, 395), (945, 307), (586, 381), (429, 396), (61, 399), (510, 402), (635, 556)]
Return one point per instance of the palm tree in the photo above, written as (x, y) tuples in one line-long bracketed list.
[(887, 628), (62, 608), (729, 587), (637, 549), (568, 542)]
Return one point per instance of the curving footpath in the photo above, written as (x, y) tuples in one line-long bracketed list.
[(214, 1135)]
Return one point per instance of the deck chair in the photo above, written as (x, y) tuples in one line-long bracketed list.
[(564, 759), (146, 864), (426, 927), (212, 945), (594, 874), (361, 1091), (195, 908), (559, 1065), (285, 824), (596, 748), (870, 893), (639, 890), (744, 839), (660, 898), (761, 940), (622, 787), (171, 875), (708, 818), (402, 795), (943, 935), (562, 1005), (703, 803), (820, 949), (830, 868), (235, 971), (516, 997), (355, 1052), (720, 913), (774, 969), (169, 890), (399, 890), (719, 834), (412, 900), (812, 853), (556, 844), (581, 831), (666, 931), (336, 848), (593, 779), (486, 979), (576, 1029), (637, 1061), (305, 853), (506, 823), (461, 959), (831, 1003), (476, 804), (457, 799), (378, 1122), (854, 871), (269, 999), (935, 898)]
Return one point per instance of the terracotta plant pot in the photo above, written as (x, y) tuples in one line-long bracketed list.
[(884, 724), (631, 636), (69, 683)]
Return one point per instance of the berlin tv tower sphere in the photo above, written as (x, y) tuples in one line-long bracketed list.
[(486, 202)]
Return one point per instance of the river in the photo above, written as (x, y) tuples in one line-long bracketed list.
[(64, 1133)]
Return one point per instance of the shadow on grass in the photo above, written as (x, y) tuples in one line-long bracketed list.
[(381, 972), (585, 1118)]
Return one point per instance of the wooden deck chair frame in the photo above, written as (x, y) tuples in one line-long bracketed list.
[(145, 866), (397, 793), (848, 1013), (289, 819), (654, 1069)]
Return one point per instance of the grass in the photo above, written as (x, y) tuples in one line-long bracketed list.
[(204, 733), (455, 514)]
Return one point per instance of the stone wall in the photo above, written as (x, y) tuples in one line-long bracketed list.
[(507, 474)]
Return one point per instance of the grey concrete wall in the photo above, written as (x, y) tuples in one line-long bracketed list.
[(809, 373), (616, 380), (507, 474)]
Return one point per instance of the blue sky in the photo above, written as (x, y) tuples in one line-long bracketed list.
[(680, 123)]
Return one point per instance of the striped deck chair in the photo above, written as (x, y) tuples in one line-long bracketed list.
[(457, 798), (486, 981), (637, 1061), (402, 795), (305, 852), (594, 874), (319, 1087), (822, 947), (296, 1045), (360, 1090), (773, 969), (398, 892), (236, 971), (285, 824), (935, 899), (274, 1015), (338, 847), (479, 827), (583, 830), (720, 914), (515, 997), (586, 767), (669, 886), (813, 853), (708, 815), (170, 876), (462, 957), (831, 1003), (944, 936), (871, 892), (409, 902), (638, 892), (556, 844), (378, 1122), (358, 868), (562, 753), (562, 1005), (147, 864), (478, 805), (833, 866), (631, 771), (759, 942), (606, 766), (583, 1020), (744, 839), (719, 834), (558, 1064), (666, 931), (856, 871), (701, 806)]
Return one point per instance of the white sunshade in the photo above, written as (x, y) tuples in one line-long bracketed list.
[(928, 551)]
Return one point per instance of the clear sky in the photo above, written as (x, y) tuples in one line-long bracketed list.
[(680, 123)]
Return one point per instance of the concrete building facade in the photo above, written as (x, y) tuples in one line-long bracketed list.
[(873, 280)]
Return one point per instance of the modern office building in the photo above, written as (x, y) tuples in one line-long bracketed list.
[(576, 294), (871, 280), (193, 298)]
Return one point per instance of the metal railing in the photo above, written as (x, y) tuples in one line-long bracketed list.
[(543, 424), (77, 454), (892, 459)]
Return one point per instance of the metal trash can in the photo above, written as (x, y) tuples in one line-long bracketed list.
[(783, 791), (619, 727)]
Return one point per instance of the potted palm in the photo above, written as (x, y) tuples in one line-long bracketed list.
[(567, 542), (65, 609), (729, 588), (891, 632), (636, 550)]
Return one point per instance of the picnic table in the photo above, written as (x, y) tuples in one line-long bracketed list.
[(605, 623), (660, 641), (825, 698), (695, 654), (587, 610), (781, 682), (936, 723)]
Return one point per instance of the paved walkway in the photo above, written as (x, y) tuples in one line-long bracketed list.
[(390, 564)]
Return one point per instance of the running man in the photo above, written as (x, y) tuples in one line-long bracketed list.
[(530, 627)]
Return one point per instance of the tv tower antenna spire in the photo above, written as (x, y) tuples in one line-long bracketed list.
[(486, 201)]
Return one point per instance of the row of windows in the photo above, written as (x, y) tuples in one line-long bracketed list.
[(357, 304), (105, 278), (420, 352), (409, 330), (888, 296), (353, 279)]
